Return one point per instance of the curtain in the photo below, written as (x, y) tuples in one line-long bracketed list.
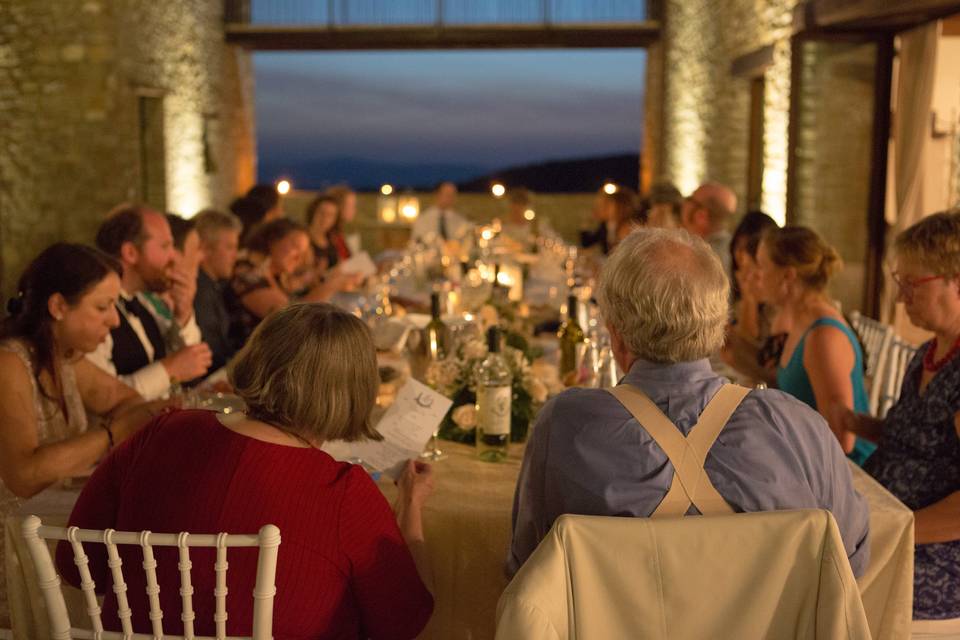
[(916, 76)]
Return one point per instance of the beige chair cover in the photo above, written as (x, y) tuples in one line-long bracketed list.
[(780, 574)]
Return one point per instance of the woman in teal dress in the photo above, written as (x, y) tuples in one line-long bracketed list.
[(821, 363)]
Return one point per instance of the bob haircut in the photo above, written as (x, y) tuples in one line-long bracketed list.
[(934, 242), (311, 370)]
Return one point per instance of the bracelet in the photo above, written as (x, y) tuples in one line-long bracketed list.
[(106, 427)]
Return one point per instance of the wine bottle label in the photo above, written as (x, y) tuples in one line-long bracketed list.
[(493, 404)]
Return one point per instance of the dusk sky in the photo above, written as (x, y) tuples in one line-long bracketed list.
[(489, 109)]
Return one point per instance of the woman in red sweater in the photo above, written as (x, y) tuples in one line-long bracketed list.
[(348, 566)]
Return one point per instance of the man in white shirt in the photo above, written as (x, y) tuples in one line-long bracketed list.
[(441, 221), (136, 351)]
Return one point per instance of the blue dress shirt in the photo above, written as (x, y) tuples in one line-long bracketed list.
[(587, 455)]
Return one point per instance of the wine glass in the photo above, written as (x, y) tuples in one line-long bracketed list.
[(433, 452)]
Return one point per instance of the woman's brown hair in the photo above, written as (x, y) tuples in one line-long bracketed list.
[(311, 370), (803, 249)]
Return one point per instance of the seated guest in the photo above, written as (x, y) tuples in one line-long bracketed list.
[(600, 236), (345, 569), (706, 213), (441, 220), (918, 459), (186, 260), (64, 308), (260, 204), (749, 330), (219, 240), (821, 363), (140, 349), (665, 299), (516, 226), (666, 206), (346, 200), (271, 273), (623, 214), (322, 215)]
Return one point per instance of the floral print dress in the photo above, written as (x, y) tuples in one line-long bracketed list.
[(919, 462)]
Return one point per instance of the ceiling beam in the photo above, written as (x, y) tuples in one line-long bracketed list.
[(323, 37)]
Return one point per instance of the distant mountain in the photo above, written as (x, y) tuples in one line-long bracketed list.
[(363, 174), (572, 175)]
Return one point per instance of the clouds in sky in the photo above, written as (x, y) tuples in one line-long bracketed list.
[(490, 108)]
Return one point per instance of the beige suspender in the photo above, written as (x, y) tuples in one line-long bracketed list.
[(690, 482)]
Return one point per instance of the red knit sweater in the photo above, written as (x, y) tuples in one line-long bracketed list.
[(343, 570)]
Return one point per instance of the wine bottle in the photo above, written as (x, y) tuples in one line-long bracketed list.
[(571, 344), (436, 331), (494, 394)]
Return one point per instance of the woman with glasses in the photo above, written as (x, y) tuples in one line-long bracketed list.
[(919, 455), (821, 362)]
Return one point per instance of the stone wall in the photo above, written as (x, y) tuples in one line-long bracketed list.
[(72, 76), (706, 119)]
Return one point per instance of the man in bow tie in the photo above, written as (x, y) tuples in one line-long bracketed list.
[(137, 351)]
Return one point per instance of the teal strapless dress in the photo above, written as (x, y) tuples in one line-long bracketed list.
[(793, 380)]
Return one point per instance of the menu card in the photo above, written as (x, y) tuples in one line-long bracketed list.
[(406, 426)]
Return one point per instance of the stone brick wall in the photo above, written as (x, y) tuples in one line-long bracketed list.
[(706, 117), (71, 73)]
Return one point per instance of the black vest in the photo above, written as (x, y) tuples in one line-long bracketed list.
[(129, 356)]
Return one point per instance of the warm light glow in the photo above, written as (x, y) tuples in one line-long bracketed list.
[(409, 211), (610, 188), (487, 233), (529, 214), (386, 189), (504, 279), (498, 190), (388, 215), (409, 207), (283, 187)]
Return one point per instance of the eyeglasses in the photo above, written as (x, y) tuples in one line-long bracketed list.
[(907, 285)]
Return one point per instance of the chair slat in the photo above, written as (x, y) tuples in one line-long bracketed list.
[(186, 587), (220, 592), (119, 584), (87, 585), (153, 587)]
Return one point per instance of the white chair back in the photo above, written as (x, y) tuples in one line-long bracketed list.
[(268, 541), (891, 379), (877, 338)]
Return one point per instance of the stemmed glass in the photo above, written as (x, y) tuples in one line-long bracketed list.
[(433, 452)]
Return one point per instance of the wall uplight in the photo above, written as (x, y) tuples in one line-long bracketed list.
[(609, 188), (386, 189), (529, 214), (283, 187), (497, 190)]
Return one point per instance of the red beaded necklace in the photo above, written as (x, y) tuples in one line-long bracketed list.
[(929, 364)]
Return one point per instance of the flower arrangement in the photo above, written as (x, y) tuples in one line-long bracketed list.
[(455, 377)]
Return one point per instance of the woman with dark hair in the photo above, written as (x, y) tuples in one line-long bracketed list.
[(323, 218), (748, 335), (64, 308), (276, 268), (348, 567)]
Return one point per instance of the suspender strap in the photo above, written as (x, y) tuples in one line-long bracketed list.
[(690, 483)]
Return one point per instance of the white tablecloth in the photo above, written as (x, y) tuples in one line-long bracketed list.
[(467, 525)]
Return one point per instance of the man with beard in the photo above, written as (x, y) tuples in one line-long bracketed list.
[(136, 351)]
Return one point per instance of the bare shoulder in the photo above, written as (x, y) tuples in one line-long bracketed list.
[(13, 371)]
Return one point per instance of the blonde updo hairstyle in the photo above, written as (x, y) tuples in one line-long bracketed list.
[(310, 369), (802, 248), (934, 242)]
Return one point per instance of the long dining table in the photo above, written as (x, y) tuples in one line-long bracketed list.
[(467, 525)]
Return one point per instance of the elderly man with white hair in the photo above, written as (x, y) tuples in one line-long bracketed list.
[(664, 296)]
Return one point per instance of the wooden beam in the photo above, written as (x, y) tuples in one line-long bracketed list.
[(752, 64), (951, 26), (880, 14), (324, 37)]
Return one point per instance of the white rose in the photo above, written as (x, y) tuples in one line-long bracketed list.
[(465, 416), (474, 350)]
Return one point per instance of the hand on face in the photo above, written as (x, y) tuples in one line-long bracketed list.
[(183, 288)]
